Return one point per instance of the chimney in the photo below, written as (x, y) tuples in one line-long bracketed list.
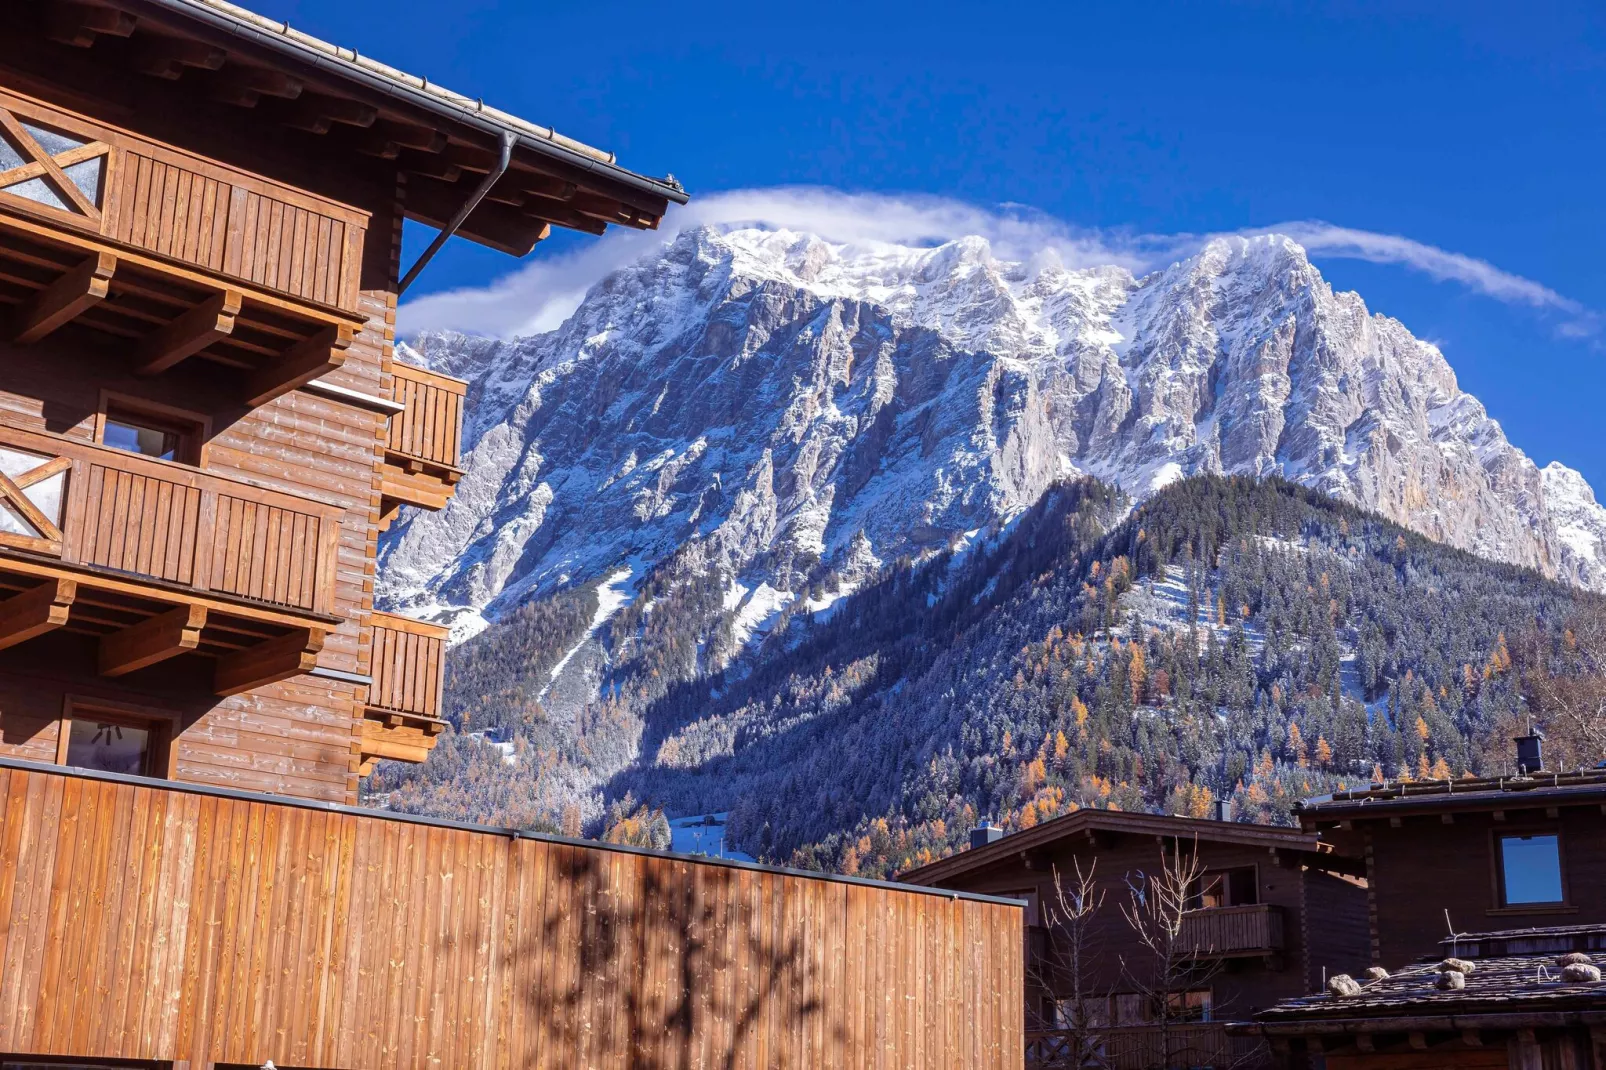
[(1530, 751), (985, 833), (1223, 810)]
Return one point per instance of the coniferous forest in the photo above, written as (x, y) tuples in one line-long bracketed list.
[(1226, 639)]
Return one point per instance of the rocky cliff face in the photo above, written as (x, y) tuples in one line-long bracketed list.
[(784, 406)]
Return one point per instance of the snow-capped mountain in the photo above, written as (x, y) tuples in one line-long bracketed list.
[(774, 404)]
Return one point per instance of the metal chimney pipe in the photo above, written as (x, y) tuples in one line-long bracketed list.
[(985, 833)]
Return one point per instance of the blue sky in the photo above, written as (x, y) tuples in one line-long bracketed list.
[(1472, 128)]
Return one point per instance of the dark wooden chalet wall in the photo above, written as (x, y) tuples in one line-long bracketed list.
[(138, 921), (1426, 868), (1333, 906), (301, 736)]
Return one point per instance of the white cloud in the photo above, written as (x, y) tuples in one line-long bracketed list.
[(539, 295)]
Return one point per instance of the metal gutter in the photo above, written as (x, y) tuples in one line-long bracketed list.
[(371, 402), (339, 674), (490, 830), (346, 64), (504, 157)]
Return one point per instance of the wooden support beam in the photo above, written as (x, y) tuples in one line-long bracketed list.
[(190, 333), (277, 659), (150, 641), (411, 136), (1472, 1038), (312, 359), (1447, 819), (244, 87), (169, 57), (341, 110), (78, 24), (1363, 1041), (375, 143), (1418, 1041), (65, 299), (36, 611)]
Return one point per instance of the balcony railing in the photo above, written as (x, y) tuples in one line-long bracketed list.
[(1226, 932), (180, 206), (408, 665), (178, 529), (424, 450), (159, 559), (183, 257), (1145, 1047)]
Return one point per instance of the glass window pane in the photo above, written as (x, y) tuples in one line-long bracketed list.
[(150, 441), (9, 155), (109, 747), (1531, 868), (86, 176), (37, 189), (12, 522), (50, 141)]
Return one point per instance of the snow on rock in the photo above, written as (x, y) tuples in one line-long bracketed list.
[(777, 399)]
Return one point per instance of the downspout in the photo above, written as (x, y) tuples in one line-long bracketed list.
[(463, 213)]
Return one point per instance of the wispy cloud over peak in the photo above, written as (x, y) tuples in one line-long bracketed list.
[(539, 295)]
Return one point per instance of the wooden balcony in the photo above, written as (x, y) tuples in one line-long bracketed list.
[(424, 451), (158, 560), (403, 717), (1184, 1046), (183, 257), (1234, 932)]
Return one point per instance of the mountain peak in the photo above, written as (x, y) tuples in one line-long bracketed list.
[(767, 397)]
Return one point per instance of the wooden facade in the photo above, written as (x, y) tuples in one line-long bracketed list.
[(1433, 854), (197, 927), (1285, 911), (203, 424)]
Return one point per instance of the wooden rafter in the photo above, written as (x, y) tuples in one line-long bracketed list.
[(79, 24), (192, 332), (169, 57), (152, 640), (36, 611), (312, 359), (65, 299), (276, 659)]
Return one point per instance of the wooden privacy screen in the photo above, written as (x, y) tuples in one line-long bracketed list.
[(143, 922), (430, 428)]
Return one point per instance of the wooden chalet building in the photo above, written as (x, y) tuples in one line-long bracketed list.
[(1272, 911), (1524, 999), (203, 430), (203, 425), (1442, 856)]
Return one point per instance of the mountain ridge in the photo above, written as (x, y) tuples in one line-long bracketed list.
[(776, 397)]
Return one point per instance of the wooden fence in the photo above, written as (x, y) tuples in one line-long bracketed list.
[(145, 921)]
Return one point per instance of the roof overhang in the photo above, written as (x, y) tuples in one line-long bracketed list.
[(1086, 822), (443, 143)]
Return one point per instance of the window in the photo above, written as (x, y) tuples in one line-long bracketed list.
[(1530, 869), (1237, 887), (115, 738), (1191, 1006), (151, 430)]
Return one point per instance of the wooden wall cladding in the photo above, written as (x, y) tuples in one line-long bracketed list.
[(206, 214), (147, 923)]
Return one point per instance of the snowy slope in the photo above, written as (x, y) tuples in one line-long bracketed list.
[(770, 404)]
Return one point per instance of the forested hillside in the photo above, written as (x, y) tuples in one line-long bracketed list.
[(1227, 638)]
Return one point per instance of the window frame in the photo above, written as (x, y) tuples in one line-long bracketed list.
[(1223, 875), (162, 725), (194, 429), (1497, 869)]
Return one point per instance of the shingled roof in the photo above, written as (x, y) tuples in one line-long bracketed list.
[(1498, 984), (1582, 787)]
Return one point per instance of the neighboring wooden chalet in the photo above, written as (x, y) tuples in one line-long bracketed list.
[(1468, 855), (1526, 999), (194, 927), (203, 426), (1270, 913)]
